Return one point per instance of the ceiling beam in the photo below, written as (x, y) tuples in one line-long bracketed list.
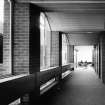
[(62, 1), (72, 2)]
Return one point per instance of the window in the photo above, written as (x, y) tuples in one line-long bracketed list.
[(5, 37), (42, 40), (65, 48), (1, 29), (45, 42)]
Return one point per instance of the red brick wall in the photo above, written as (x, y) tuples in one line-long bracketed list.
[(21, 39)]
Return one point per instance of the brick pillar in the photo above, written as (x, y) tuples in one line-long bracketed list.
[(102, 56), (20, 38)]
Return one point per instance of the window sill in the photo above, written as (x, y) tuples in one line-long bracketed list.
[(5, 78), (48, 68)]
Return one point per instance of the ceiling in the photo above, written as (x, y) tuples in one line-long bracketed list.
[(75, 17)]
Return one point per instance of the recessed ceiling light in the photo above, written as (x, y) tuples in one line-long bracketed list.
[(89, 32)]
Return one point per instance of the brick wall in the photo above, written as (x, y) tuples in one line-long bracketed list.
[(21, 39), (55, 49)]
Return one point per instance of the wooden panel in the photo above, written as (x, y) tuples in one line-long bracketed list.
[(34, 51), (34, 39), (45, 76), (66, 67), (14, 89)]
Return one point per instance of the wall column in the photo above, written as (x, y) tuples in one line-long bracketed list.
[(34, 51), (60, 54)]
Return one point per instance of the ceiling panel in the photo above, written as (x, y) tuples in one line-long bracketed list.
[(57, 1), (75, 16), (75, 7), (76, 22)]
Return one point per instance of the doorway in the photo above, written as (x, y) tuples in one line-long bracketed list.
[(83, 56)]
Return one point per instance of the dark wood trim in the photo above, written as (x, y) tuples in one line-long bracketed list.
[(66, 67), (45, 76), (13, 89), (60, 48), (34, 51), (34, 35), (60, 54)]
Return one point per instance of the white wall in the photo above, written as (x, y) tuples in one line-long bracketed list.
[(83, 39)]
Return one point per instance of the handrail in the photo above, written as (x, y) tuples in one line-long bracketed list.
[(12, 77), (48, 68)]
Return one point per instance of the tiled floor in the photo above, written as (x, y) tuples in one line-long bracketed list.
[(83, 88)]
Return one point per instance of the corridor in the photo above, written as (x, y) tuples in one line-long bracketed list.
[(82, 87), (42, 43)]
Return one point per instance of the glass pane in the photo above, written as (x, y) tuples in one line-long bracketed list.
[(1, 29), (64, 49), (5, 37), (45, 41)]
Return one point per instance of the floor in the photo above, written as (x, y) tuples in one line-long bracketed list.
[(83, 87)]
